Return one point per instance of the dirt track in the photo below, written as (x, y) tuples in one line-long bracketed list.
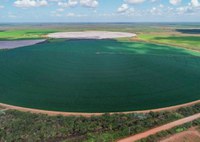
[(161, 128), (191, 135), (53, 113)]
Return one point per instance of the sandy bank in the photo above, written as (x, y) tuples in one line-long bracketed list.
[(160, 128), (90, 35), (54, 113), (18, 43)]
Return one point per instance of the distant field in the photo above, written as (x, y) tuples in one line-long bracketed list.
[(191, 135), (35, 31), (24, 34), (185, 35), (190, 42), (98, 76)]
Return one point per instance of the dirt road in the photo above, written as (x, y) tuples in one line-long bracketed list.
[(53, 113), (191, 135), (161, 128)]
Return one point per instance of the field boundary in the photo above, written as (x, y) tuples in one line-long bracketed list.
[(55, 113)]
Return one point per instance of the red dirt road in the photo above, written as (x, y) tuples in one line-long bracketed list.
[(161, 128), (191, 135)]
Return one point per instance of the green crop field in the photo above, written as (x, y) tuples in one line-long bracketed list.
[(24, 34), (190, 42), (98, 76), (35, 31)]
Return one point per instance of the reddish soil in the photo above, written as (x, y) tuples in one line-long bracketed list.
[(191, 135), (161, 128)]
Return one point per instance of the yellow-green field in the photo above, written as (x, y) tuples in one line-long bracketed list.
[(185, 41)]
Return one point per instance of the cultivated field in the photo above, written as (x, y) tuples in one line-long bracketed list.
[(187, 41), (98, 75)]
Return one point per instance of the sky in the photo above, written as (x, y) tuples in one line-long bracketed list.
[(99, 11)]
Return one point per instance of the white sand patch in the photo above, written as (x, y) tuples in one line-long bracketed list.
[(18, 43), (90, 35)]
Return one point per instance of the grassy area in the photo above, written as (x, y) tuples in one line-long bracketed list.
[(24, 34), (164, 134), (177, 34), (20, 126), (98, 75), (190, 42), (34, 31)]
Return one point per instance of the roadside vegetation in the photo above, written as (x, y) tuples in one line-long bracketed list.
[(20, 126), (163, 134)]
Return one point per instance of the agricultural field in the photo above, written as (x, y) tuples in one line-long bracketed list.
[(185, 35), (35, 31), (98, 75), (15, 34), (184, 41)]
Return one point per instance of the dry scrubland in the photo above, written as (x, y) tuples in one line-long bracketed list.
[(191, 135), (188, 132), (160, 129), (18, 126)]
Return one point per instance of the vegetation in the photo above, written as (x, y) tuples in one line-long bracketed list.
[(32, 31), (98, 75), (178, 34), (157, 137), (1, 107), (20, 126), (35, 31), (190, 42), (24, 34)]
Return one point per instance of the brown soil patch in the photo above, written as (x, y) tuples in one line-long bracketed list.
[(191, 135), (160, 128)]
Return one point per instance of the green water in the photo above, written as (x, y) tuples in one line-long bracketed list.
[(98, 76)]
